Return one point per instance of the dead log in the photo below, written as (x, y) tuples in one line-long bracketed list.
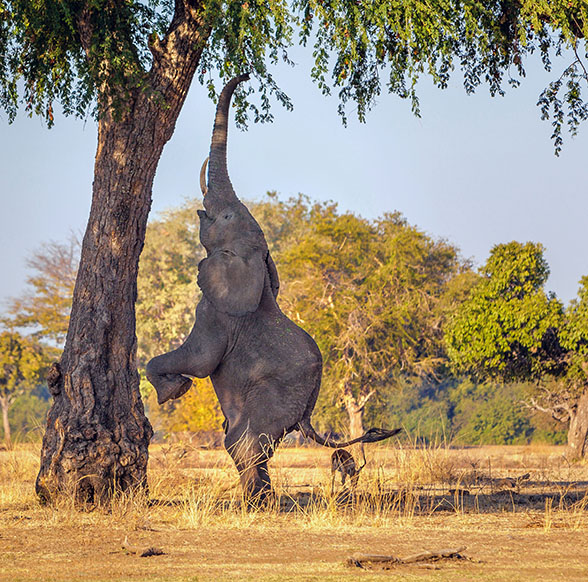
[(369, 560), (434, 556)]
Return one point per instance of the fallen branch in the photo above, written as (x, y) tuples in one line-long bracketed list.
[(368, 560)]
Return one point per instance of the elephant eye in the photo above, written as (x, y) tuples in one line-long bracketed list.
[(228, 215)]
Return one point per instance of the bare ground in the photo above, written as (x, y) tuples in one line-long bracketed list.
[(501, 548), (511, 539)]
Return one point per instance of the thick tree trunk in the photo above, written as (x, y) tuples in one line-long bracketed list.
[(97, 434), (578, 429), (5, 424)]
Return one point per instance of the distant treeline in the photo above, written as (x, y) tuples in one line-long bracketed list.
[(410, 333)]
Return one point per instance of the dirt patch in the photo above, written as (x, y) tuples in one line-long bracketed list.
[(501, 548)]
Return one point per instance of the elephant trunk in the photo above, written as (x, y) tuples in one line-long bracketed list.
[(220, 190)]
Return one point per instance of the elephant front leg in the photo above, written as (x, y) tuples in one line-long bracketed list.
[(250, 456), (198, 356), (167, 382)]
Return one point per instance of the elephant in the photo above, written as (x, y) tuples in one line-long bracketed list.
[(266, 371)]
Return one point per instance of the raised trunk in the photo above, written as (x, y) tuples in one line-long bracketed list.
[(578, 429), (5, 423), (220, 192), (97, 434)]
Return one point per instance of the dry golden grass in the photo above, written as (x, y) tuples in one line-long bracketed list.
[(408, 500)]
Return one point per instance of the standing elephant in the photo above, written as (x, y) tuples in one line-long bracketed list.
[(266, 371)]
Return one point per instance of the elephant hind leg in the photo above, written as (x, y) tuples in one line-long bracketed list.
[(250, 453)]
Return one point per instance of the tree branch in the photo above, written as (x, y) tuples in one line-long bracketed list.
[(579, 60), (351, 403), (85, 30), (561, 412), (176, 56)]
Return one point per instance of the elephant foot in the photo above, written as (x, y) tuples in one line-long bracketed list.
[(171, 386), (257, 488), (260, 499)]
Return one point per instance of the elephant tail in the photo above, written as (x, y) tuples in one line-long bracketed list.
[(373, 435)]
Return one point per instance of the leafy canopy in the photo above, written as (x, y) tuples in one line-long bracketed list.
[(507, 328), (86, 52)]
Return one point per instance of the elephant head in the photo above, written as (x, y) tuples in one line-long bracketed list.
[(232, 277)]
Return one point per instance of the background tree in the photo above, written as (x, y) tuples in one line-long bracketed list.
[(506, 327), (46, 305), (22, 364), (566, 397), (167, 288), (198, 411), (511, 329), (132, 64), (427, 406), (465, 412), (489, 413), (369, 293)]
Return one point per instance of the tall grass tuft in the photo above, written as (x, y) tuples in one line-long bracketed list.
[(192, 488)]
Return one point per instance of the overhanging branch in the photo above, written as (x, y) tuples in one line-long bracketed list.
[(177, 54)]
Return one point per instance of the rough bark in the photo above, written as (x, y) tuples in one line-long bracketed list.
[(97, 434), (4, 404), (578, 428)]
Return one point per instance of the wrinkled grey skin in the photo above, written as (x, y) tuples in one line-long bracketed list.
[(266, 371)]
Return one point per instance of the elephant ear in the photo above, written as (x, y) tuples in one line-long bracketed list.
[(273, 274), (233, 284)]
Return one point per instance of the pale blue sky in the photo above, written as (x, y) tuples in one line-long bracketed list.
[(474, 170)]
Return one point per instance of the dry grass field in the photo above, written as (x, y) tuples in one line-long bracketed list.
[(193, 527)]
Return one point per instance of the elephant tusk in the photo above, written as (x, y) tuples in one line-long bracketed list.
[(203, 186)]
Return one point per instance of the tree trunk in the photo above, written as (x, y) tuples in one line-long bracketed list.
[(355, 408), (355, 414), (97, 434), (5, 424), (578, 428)]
